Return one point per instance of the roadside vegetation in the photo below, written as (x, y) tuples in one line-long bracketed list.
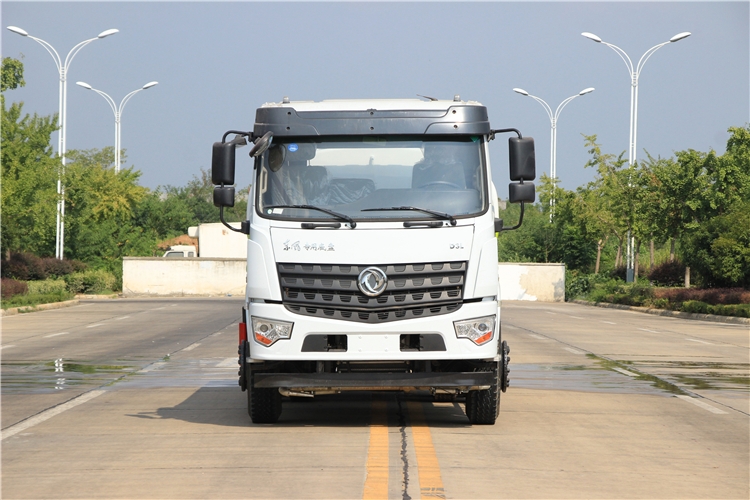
[(689, 216)]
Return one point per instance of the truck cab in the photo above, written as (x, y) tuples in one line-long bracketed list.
[(372, 250)]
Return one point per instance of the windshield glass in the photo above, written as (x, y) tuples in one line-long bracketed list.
[(353, 176)]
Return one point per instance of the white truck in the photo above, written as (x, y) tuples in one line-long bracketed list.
[(372, 250)]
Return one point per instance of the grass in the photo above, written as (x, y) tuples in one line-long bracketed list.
[(35, 299)]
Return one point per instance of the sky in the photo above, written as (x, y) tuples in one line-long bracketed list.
[(216, 62)]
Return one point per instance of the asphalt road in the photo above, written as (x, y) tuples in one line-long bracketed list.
[(139, 399)]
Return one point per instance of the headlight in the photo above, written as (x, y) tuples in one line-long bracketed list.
[(479, 330), (266, 332)]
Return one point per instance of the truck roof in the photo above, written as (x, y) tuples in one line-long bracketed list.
[(371, 117), (368, 104)]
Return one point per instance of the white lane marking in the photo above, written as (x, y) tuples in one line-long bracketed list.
[(191, 347), (575, 317), (95, 325), (121, 317), (55, 335), (574, 351), (6, 347), (155, 366), (228, 363), (548, 312), (705, 406), (609, 322), (47, 414), (537, 336), (647, 330), (701, 341), (158, 308), (625, 372)]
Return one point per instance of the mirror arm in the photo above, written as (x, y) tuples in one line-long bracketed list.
[(238, 132), (244, 228), (504, 131), (500, 221)]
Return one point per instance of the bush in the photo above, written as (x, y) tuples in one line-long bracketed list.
[(47, 286), (26, 266), (11, 287), (23, 266), (91, 281), (580, 285), (668, 274), (696, 306), (36, 299)]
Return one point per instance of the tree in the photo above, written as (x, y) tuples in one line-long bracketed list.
[(12, 74), (100, 210), (719, 249), (29, 173)]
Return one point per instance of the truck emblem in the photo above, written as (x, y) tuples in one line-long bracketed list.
[(372, 281)]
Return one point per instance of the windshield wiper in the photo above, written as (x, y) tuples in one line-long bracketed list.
[(336, 215), (441, 215)]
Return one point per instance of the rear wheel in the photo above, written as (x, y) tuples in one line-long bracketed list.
[(263, 405)]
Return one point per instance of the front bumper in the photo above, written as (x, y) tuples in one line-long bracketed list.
[(459, 381)]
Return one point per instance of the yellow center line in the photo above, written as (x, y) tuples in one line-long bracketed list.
[(376, 482), (430, 480)]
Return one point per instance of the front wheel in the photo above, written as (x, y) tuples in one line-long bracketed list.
[(263, 405), (483, 407)]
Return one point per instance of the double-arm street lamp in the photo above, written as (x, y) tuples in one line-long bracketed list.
[(553, 117), (62, 69), (635, 73), (117, 110)]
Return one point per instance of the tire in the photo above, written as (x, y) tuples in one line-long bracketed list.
[(483, 407), (263, 405)]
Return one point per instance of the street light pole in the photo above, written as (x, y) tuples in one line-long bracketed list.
[(117, 110), (553, 117), (635, 73), (62, 70)]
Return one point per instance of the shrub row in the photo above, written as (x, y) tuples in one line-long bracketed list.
[(26, 266), (91, 281), (11, 287)]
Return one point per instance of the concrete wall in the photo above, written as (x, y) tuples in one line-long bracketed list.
[(527, 281), (198, 276)]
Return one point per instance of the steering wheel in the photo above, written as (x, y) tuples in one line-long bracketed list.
[(440, 183)]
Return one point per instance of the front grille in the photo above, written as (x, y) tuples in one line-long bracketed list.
[(413, 291)]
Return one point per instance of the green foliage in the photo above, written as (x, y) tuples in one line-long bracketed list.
[(696, 306), (12, 74), (47, 286), (36, 299), (719, 249), (92, 281), (29, 176)]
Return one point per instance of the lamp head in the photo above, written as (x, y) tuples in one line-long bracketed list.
[(16, 29), (680, 36), (586, 91), (84, 85), (107, 33), (149, 85), (592, 36), (520, 91)]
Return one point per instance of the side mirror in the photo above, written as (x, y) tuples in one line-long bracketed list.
[(522, 159), (261, 144), (521, 193), (224, 196), (222, 163)]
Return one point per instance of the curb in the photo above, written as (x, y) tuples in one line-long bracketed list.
[(41, 307), (664, 312)]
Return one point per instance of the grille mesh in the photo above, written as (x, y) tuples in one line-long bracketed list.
[(413, 291)]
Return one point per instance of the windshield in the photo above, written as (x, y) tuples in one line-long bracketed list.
[(372, 178)]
